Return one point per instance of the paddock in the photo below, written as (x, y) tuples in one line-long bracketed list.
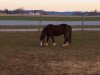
[(20, 53)]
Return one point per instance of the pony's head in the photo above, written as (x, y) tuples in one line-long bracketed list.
[(42, 37)]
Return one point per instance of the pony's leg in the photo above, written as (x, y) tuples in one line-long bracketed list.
[(70, 34), (52, 37), (66, 40), (66, 44), (47, 40)]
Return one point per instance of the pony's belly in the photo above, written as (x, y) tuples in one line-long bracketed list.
[(56, 34)]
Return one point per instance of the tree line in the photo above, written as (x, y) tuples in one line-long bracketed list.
[(23, 11)]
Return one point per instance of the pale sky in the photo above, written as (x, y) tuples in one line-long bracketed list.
[(52, 5)]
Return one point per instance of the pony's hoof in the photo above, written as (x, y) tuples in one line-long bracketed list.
[(46, 44), (65, 45), (54, 44)]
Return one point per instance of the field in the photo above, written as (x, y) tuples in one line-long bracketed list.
[(20, 54), (49, 18)]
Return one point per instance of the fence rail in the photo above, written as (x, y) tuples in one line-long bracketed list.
[(16, 22), (31, 30)]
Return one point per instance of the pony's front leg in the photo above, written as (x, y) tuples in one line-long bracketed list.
[(47, 40), (52, 37)]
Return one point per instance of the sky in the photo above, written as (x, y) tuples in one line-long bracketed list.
[(52, 5)]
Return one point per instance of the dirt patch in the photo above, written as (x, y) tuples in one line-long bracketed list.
[(24, 65), (75, 67)]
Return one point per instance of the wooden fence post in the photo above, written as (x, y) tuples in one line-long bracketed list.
[(40, 22), (82, 22)]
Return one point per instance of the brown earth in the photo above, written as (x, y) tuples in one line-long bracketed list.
[(21, 66)]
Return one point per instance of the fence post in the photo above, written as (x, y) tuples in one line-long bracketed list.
[(82, 22), (40, 22)]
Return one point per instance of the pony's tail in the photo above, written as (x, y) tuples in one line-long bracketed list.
[(70, 34)]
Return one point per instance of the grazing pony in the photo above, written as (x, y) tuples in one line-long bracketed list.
[(56, 30)]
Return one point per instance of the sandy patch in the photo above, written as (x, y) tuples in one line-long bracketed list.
[(75, 67)]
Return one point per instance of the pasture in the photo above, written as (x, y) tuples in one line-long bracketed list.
[(41, 26), (20, 54), (49, 18)]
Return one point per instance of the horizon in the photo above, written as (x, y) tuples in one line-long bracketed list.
[(53, 5)]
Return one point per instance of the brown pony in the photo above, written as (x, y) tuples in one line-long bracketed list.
[(56, 30)]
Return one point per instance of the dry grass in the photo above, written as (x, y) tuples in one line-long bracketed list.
[(20, 54)]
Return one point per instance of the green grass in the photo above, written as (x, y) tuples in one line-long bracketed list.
[(20, 53), (51, 18)]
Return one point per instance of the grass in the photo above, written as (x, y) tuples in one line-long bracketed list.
[(36, 27), (20, 54), (19, 27), (51, 18)]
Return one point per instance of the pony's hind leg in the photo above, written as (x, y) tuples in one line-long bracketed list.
[(66, 40), (66, 44)]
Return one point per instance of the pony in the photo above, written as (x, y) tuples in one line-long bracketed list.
[(51, 30)]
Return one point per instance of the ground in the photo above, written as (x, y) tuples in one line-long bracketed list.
[(29, 63), (20, 54)]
